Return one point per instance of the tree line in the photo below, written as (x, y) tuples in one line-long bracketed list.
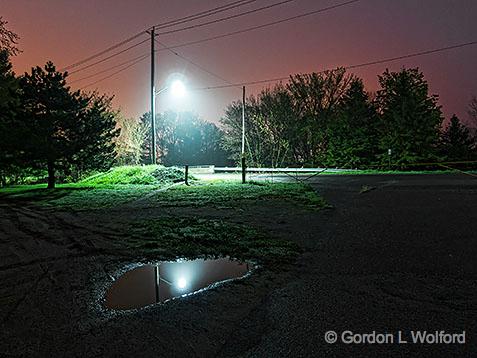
[(328, 119), (317, 119)]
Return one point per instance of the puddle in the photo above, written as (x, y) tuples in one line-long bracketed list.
[(149, 284)]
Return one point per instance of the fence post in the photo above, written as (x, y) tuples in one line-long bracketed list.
[(186, 175), (243, 169)]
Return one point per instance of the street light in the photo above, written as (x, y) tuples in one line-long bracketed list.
[(178, 90)]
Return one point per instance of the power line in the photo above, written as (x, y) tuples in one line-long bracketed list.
[(365, 64), (203, 14), (108, 58), (165, 47), (171, 23), (140, 58), (227, 18), (325, 9), (113, 47), (210, 38), (109, 69), (422, 53), (115, 73)]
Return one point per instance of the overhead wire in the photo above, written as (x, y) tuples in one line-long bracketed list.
[(170, 23), (109, 69), (226, 18), (365, 64), (291, 18), (277, 79), (202, 68), (114, 73), (203, 14), (110, 48), (108, 58)]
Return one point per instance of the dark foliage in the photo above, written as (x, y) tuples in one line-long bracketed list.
[(457, 142), (410, 118), (328, 119), (63, 130), (182, 138), (353, 135), (9, 105)]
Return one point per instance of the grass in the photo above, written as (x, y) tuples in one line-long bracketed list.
[(190, 237), (173, 237), (219, 194), (76, 196), (81, 196), (104, 190), (121, 185), (226, 194), (137, 175)]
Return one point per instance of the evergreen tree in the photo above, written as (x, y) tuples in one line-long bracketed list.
[(8, 108), (353, 133), (410, 117), (456, 141), (8, 103), (60, 128)]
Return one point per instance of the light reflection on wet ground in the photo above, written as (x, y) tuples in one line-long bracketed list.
[(149, 284)]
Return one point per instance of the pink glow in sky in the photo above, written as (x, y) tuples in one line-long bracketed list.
[(68, 31)]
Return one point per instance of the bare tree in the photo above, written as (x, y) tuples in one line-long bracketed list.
[(473, 110), (130, 141), (8, 39)]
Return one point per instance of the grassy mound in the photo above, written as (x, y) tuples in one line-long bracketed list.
[(143, 175)]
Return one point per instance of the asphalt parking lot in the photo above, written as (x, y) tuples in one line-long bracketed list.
[(392, 253)]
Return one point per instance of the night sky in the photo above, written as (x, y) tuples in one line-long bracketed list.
[(68, 31)]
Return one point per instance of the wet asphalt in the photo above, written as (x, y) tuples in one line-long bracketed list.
[(394, 254), (391, 254)]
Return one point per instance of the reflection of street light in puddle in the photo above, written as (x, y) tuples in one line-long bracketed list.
[(181, 283)]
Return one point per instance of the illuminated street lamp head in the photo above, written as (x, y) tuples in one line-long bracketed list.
[(178, 88)]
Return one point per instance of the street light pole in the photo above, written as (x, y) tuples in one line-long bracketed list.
[(153, 98), (243, 121), (243, 135)]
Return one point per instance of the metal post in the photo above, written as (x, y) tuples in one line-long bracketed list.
[(389, 159), (157, 280), (186, 175), (243, 135), (153, 98), (243, 121)]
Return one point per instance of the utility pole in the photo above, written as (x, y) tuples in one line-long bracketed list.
[(243, 121), (243, 135), (153, 97)]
